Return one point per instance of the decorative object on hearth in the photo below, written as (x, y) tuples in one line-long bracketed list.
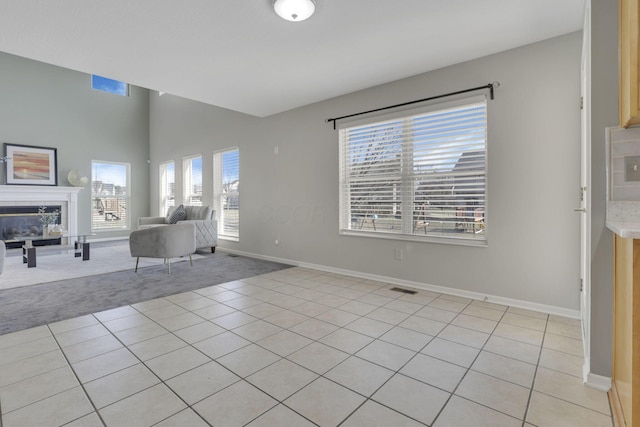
[(48, 217), (74, 179), (49, 221), (294, 10), (31, 165), (55, 230)]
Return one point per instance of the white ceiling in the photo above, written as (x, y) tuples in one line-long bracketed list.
[(238, 54)]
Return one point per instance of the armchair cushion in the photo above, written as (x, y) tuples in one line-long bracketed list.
[(199, 212), (151, 220)]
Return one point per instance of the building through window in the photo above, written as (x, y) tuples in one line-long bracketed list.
[(110, 196)]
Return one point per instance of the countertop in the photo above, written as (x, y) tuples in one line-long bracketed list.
[(623, 218), (625, 229)]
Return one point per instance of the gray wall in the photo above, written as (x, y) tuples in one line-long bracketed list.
[(604, 112), (533, 179), (49, 106)]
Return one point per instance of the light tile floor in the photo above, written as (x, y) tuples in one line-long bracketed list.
[(300, 347)]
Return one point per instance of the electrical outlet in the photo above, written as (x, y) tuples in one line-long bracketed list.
[(398, 253), (632, 168)]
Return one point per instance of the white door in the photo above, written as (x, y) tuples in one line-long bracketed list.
[(584, 209)]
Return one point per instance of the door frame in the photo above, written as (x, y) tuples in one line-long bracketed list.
[(585, 191)]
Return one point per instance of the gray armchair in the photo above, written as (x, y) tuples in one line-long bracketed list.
[(202, 217), (163, 242), (3, 251)]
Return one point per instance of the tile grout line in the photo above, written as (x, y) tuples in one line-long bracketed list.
[(367, 398), (242, 378), (469, 369), (154, 373), (535, 373), (95, 410), (317, 340), (561, 372), (171, 332), (120, 370), (397, 298)]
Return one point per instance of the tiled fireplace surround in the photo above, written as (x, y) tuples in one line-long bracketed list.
[(29, 195)]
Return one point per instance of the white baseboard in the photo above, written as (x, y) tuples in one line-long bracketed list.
[(258, 256), (543, 308), (598, 382), (549, 309)]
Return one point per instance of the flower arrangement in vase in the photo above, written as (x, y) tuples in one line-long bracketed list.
[(48, 219)]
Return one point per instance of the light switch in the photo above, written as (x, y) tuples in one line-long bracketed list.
[(632, 168)]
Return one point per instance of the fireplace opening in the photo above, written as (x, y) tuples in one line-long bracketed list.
[(20, 223)]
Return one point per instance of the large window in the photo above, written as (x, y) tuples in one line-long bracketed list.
[(192, 178), (417, 174), (110, 196), (226, 192), (167, 186)]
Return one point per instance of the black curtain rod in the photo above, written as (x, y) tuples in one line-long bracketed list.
[(489, 86)]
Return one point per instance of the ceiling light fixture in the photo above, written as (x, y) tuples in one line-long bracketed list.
[(294, 10)]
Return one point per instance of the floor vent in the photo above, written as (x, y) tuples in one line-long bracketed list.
[(232, 255), (404, 291)]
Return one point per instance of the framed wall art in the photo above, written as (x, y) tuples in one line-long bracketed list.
[(31, 165)]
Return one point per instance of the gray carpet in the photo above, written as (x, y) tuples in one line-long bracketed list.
[(35, 305)]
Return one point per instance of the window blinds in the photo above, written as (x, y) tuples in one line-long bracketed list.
[(167, 186), (422, 173), (226, 185)]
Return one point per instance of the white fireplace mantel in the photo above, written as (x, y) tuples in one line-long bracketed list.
[(16, 195)]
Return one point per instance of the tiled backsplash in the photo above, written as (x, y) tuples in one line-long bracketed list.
[(622, 143)]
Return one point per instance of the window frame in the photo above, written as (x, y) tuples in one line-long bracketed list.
[(187, 168), (409, 180), (127, 197), (164, 190), (218, 193)]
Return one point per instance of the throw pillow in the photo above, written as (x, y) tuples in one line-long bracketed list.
[(178, 214)]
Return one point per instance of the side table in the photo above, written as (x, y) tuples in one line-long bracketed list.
[(29, 254), (81, 246)]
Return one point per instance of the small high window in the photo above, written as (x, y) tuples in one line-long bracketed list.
[(109, 85)]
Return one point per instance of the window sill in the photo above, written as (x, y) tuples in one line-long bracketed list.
[(481, 243), (110, 230)]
